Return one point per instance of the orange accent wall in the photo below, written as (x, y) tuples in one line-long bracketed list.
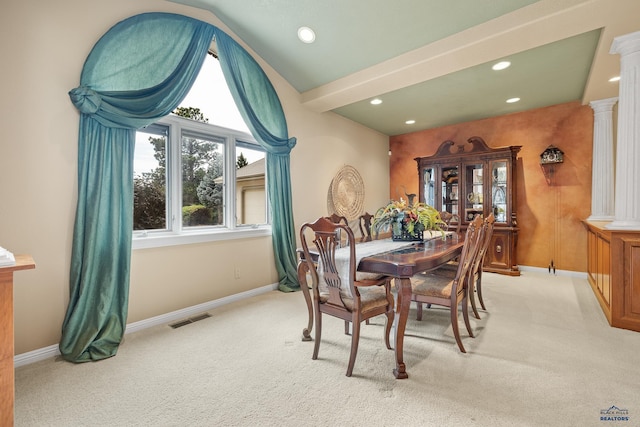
[(549, 208)]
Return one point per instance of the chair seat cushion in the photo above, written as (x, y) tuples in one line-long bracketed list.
[(362, 276), (445, 271), (371, 297), (451, 265), (431, 285)]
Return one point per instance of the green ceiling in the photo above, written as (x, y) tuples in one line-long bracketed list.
[(429, 60)]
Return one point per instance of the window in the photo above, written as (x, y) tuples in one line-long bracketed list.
[(195, 181)]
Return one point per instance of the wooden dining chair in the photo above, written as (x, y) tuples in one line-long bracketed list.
[(475, 283), (364, 221), (431, 288), (334, 217), (339, 219), (452, 221), (475, 277), (338, 290)]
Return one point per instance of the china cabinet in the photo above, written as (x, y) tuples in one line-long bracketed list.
[(474, 179)]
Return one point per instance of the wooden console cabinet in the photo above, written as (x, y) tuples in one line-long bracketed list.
[(7, 392), (470, 179), (613, 270)]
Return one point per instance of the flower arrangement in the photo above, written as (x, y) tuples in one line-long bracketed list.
[(407, 221)]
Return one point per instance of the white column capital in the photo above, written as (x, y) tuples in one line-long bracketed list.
[(603, 105), (626, 44)]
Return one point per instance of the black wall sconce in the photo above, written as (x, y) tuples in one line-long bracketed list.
[(548, 159)]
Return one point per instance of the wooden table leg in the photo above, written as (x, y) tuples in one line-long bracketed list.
[(402, 312), (303, 269)]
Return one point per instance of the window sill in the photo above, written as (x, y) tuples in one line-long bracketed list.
[(157, 240)]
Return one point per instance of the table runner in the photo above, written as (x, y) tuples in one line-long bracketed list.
[(364, 250)]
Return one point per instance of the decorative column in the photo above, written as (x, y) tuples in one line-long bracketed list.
[(627, 195), (602, 188)]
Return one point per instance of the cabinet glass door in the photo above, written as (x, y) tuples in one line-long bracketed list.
[(449, 188), (499, 190), (429, 191), (474, 193)]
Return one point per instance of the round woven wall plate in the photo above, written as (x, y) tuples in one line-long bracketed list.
[(347, 193)]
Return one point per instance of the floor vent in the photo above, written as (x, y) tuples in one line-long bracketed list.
[(190, 320)]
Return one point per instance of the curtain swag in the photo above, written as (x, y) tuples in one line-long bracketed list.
[(138, 72)]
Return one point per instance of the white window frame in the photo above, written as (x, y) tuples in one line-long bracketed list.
[(176, 234)]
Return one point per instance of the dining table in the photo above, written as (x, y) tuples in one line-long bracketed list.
[(400, 262)]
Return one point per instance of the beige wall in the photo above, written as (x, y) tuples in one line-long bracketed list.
[(44, 45)]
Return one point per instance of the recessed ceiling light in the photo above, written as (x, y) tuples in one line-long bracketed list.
[(376, 101), (512, 100), (306, 35), (614, 79), (501, 65), (410, 122)]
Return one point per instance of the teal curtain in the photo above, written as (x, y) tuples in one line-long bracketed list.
[(260, 108), (138, 72)]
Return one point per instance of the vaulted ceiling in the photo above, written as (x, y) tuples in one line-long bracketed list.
[(430, 60)]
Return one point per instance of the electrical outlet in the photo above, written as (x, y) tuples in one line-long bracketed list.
[(236, 272)]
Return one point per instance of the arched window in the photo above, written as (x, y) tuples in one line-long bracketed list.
[(198, 173)]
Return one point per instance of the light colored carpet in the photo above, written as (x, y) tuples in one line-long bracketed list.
[(544, 356)]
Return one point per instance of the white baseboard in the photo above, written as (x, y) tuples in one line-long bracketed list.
[(185, 313), (35, 355)]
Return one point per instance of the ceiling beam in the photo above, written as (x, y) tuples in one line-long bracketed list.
[(535, 25)]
